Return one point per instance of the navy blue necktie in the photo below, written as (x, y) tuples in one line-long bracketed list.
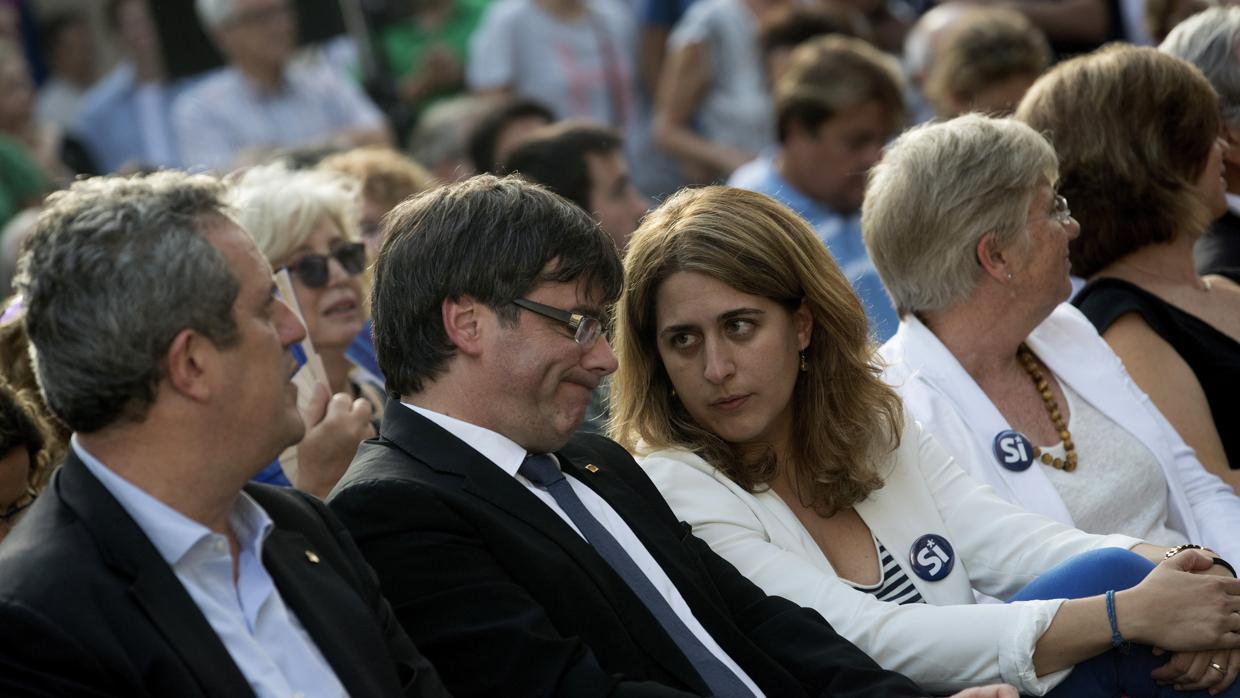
[(542, 470)]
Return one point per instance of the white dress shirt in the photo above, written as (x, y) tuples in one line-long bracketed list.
[(264, 638), (508, 456)]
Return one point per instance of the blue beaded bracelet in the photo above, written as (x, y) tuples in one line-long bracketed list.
[(1117, 640)]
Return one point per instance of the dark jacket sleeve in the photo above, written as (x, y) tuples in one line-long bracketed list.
[(38, 659), (481, 628)]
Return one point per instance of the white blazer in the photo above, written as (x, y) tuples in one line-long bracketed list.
[(944, 398), (945, 645)]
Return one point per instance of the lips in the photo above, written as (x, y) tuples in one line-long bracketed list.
[(730, 403), (343, 306)]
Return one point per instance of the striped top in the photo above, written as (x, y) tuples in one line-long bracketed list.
[(893, 586)]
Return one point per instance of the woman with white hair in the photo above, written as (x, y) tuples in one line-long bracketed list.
[(971, 240)]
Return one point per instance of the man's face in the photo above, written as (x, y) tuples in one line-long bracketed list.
[(256, 370), (842, 150), (542, 378), (614, 202), (260, 32)]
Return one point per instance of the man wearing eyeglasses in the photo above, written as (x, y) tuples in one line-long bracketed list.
[(523, 559)]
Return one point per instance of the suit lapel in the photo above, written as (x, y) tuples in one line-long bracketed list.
[(426, 441), (309, 587), (154, 586)]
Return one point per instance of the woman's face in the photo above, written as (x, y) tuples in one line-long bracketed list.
[(1212, 184), (16, 96), (1046, 268), (732, 358), (333, 312)]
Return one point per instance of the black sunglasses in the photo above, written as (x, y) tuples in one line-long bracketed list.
[(312, 269)]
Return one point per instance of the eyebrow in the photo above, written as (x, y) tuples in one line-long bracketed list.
[(723, 317)]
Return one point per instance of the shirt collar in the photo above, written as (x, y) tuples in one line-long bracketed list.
[(495, 447), (171, 532)]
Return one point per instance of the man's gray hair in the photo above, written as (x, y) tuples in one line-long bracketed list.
[(938, 189), (116, 268), (1210, 40), (213, 13)]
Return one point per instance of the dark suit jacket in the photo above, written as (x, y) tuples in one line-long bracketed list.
[(506, 599), (88, 607)]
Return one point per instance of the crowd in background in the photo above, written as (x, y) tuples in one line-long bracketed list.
[(970, 272)]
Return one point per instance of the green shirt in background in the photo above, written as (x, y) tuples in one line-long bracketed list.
[(405, 43)]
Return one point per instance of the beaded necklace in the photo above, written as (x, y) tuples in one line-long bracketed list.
[(1068, 462)]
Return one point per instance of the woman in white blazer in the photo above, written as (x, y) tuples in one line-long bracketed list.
[(998, 368), (749, 388)]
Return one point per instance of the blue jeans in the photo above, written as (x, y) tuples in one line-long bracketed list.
[(1112, 673)]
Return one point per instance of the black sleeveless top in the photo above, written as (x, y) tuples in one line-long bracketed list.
[(1213, 356)]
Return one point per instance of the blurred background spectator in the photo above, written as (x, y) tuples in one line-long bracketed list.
[(72, 61)]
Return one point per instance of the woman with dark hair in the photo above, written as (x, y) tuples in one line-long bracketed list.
[(750, 390), (22, 457), (1137, 133)]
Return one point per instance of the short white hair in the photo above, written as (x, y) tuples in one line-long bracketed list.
[(281, 207), (213, 13), (1210, 40), (937, 191)]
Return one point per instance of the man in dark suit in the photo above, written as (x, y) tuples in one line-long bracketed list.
[(145, 568), (523, 560)]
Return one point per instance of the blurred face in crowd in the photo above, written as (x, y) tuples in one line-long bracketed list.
[(260, 32), (996, 99), (137, 31), (16, 92), (543, 377), (733, 358), (73, 55), (325, 271), (513, 133), (836, 156), (258, 368), (614, 202), (15, 494)]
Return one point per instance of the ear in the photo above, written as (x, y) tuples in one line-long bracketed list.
[(803, 321), (464, 321), (188, 365), (993, 259)]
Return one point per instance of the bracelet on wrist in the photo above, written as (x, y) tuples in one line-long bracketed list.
[(1117, 640), (1181, 548)]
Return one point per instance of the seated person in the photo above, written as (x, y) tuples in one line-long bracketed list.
[(1013, 382), (305, 221), (1141, 156), (261, 102), (524, 559), (750, 389), (501, 127), (838, 102), (985, 63), (22, 457)]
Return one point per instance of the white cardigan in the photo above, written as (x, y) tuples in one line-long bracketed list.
[(939, 393), (945, 645)]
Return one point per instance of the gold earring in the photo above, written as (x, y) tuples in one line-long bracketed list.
[(804, 366)]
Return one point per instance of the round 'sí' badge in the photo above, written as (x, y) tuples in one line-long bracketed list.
[(932, 557), (1013, 450)]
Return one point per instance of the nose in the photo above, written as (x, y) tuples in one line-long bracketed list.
[(288, 325), (599, 358), (1073, 227), (719, 366)]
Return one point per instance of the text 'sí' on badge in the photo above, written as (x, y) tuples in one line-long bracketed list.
[(1013, 450), (932, 557)]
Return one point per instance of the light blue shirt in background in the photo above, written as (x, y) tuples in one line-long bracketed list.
[(264, 638), (840, 233)]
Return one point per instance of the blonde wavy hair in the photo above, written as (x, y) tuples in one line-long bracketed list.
[(846, 419)]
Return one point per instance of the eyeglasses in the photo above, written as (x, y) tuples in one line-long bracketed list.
[(312, 269), (586, 329), (1060, 211), (16, 508)]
